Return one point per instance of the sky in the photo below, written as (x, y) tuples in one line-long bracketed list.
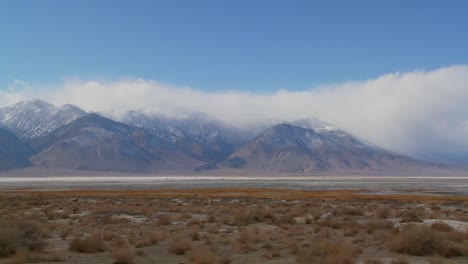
[(394, 73), (249, 45)]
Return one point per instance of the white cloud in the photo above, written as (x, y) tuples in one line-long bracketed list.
[(420, 112)]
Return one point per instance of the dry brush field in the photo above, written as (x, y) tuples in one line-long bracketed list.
[(231, 226)]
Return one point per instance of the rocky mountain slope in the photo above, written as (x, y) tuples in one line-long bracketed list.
[(13, 152), (93, 142)]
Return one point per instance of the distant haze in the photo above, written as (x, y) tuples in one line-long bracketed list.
[(421, 113)]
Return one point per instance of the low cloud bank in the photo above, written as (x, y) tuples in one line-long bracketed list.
[(421, 113)]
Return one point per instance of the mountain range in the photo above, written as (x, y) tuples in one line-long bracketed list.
[(37, 133)]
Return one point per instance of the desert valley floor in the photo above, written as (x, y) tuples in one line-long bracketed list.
[(205, 220)]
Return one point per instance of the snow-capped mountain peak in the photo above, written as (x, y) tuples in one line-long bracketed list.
[(36, 118)]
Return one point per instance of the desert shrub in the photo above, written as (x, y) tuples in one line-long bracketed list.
[(8, 241), (164, 219), (53, 214), (436, 260), (352, 211), (225, 259), (119, 241), (92, 244), (293, 247), (456, 236), (204, 255), (194, 234), (270, 215), (245, 235), (349, 232), (211, 219), (422, 240), (21, 257), (23, 234), (179, 246), (441, 227), (64, 232), (245, 241), (383, 213), (410, 216), (140, 240), (185, 216), (328, 252), (240, 218), (51, 256), (285, 219), (373, 225), (54, 257), (275, 253), (332, 223), (31, 235), (257, 215), (123, 255)]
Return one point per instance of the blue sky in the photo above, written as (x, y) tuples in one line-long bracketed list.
[(255, 46)]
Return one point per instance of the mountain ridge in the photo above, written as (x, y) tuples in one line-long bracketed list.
[(68, 137), (289, 148)]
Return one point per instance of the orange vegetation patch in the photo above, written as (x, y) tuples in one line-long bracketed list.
[(266, 193)]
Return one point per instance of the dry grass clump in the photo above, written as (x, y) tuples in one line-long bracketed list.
[(204, 255), (179, 246), (328, 252), (92, 244), (420, 240), (123, 255)]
